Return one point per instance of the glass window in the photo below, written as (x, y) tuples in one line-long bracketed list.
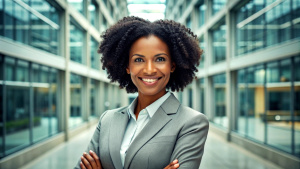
[(189, 22), (41, 105), (76, 43), (242, 103), (75, 102), (202, 96), (203, 47), (297, 105), (272, 27), (93, 14), (17, 106), (22, 71), (93, 97), (217, 5), (95, 57), (53, 95), (278, 109), (78, 5), (201, 8), (36, 25), (219, 43), (219, 90), (17, 118), (1, 106), (190, 98), (255, 97)]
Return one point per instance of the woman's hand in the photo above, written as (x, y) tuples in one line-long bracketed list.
[(90, 161), (173, 165)]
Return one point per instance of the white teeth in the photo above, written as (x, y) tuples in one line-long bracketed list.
[(149, 80)]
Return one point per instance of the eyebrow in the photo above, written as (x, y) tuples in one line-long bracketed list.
[(154, 55)]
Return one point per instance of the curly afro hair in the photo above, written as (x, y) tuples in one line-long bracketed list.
[(182, 43)]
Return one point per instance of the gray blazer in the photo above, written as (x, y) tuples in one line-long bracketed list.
[(174, 132)]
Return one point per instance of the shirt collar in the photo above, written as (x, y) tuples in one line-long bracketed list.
[(151, 109)]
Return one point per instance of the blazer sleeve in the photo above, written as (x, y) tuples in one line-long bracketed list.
[(189, 146), (94, 143)]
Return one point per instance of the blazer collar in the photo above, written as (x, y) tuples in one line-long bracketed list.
[(116, 134), (158, 121)]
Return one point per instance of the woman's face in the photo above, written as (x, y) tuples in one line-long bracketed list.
[(150, 65)]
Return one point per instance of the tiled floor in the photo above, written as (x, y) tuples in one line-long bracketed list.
[(218, 154)]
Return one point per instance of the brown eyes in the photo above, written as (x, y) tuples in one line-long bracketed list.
[(158, 59)]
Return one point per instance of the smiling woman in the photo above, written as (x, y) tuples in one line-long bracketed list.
[(155, 130)]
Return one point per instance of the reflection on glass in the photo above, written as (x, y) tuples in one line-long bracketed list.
[(277, 25), (93, 14), (201, 13), (217, 5), (242, 104), (278, 112), (202, 96), (76, 43), (219, 43), (190, 98), (219, 87), (95, 59), (22, 71), (297, 105), (189, 22), (255, 102), (75, 102), (1, 106), (17, 118), (78, 5), (38, 30), (93, 97), (203, 47), (53, 115)]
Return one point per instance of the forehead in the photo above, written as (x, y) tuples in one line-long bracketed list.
[(149, 44)]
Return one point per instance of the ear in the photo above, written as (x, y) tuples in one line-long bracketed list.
[(173, 67), (127, 70)]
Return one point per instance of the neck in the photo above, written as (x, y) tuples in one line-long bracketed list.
[(146, 100)]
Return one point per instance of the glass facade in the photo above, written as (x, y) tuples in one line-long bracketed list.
[(28, 104), (79, 5), (202, 96), (93, 93), (201, 8), (270, 27), (203, 47), (219, 94), (95, 57), (76, 43), (217, 5), (76, 118), (219, 42), (93, 14), (31, 22), (268, 98)]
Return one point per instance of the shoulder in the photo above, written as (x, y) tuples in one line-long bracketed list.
[(110, 113), (189, 113)]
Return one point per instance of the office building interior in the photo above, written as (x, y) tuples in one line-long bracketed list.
[(52, 86)]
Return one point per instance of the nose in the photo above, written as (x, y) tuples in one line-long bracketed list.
[(150, 68)]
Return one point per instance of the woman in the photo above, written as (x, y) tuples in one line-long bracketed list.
[(155, 131)]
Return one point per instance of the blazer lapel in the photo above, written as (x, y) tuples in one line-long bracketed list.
[(116, 135), (158, 121)]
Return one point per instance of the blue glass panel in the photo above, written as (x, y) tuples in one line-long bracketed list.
[(76, 43), (219, 90), (75, 102), (219, 43)]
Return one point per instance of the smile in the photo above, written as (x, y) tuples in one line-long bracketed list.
[(148, 81)]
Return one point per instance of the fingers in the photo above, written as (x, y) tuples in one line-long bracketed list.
[(173, 165), (96, 158), (88, 161), (82, 165)]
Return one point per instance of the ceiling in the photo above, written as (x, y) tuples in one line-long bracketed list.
[(147, 9)]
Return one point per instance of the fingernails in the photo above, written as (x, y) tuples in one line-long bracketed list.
[(176, 165), (84, 153), (175, 160), (91, 151)]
